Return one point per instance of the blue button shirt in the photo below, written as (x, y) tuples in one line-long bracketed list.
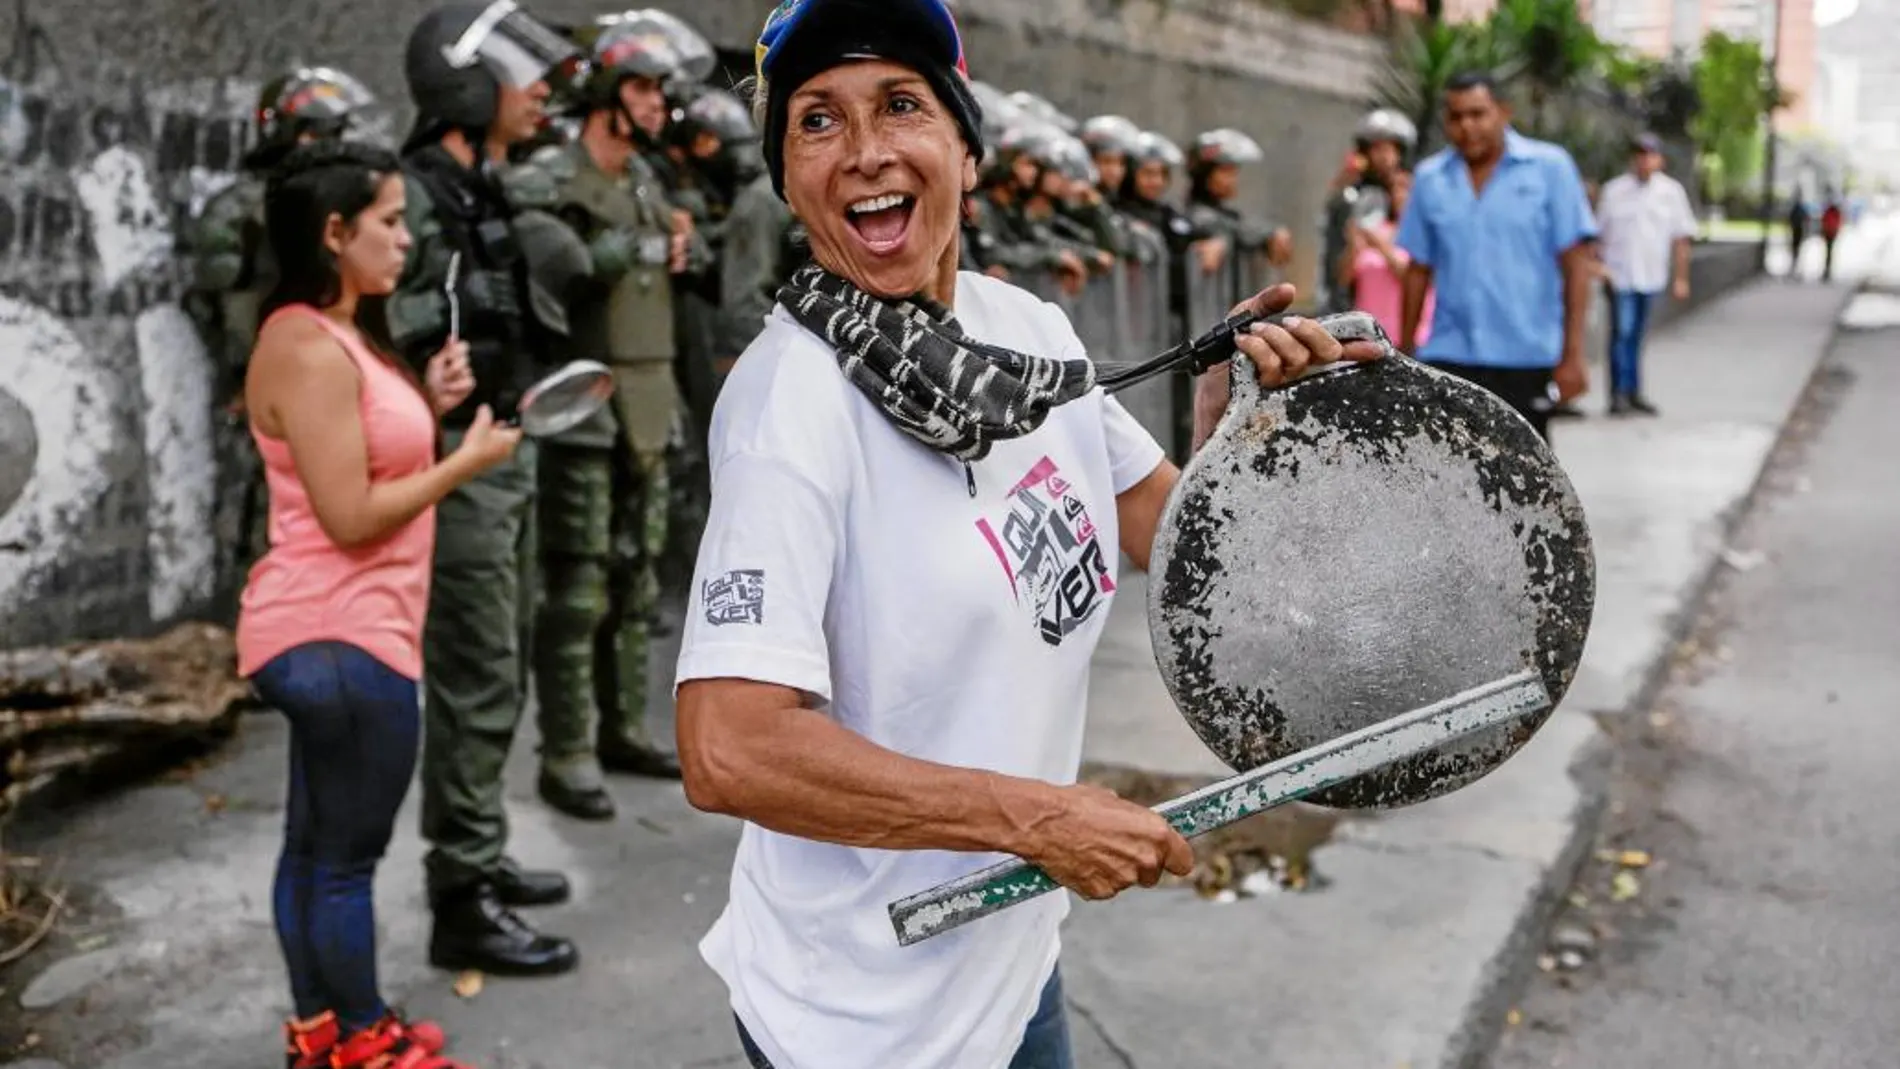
[(1494, 258)]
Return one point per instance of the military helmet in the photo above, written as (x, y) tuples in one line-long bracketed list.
[(722, 113), (696, 58), (618, 52), (461, 53), (1152, 147), (1015, 141), (1000, 113), (1385, 124), (1039, 108), (1062, 153), (1110, 135), (308, 100), (1225, 146)]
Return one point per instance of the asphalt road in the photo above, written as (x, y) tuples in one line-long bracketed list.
[(1765, 786)]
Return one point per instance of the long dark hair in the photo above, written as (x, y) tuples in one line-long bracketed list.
[(312, 183)]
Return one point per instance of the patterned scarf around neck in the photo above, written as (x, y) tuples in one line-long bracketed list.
[(952, 393)]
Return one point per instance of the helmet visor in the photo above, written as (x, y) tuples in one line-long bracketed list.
[(515, 48), (697, 59), (322, 94)]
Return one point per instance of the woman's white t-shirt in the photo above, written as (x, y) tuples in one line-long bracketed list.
[(846, 560)]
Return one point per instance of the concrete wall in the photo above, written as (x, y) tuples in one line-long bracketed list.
[(1716, 268), (119, 117)]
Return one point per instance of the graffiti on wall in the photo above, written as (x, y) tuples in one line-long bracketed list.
[(107, 465)]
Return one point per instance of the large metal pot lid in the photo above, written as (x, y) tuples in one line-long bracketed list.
[(1359, 543)]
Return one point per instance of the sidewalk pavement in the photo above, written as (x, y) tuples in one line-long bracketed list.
[(1404, 959)]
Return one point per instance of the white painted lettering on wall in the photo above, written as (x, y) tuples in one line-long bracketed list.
[(64, 389), (175, 372), (108, 476)]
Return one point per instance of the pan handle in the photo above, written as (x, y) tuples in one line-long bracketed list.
[(991, 890)]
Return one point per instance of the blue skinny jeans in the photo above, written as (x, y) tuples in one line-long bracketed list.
[(354, 727), (1626, 351)]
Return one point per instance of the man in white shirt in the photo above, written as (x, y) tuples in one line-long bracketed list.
[(1647, 226)]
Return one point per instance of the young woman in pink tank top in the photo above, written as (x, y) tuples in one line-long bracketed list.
[(1375, 265), (330, 626)]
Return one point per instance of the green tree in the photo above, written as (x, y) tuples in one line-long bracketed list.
[(1735, 92), (1426, 57), (1551, 51)]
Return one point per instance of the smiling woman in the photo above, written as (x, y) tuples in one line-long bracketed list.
[(877, 172), (920, 503)]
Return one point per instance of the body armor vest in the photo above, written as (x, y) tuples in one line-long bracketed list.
[(633, 322), (491, 288)]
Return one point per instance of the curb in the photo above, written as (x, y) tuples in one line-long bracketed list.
[(1476, 1038)]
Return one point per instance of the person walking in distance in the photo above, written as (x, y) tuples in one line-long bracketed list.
[(1647, 231), (1830, 233), (1500, 225), (590, 512), (477, 74), (330, 626)]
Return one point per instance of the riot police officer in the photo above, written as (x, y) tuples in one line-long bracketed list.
[(1008, 243), (1110, 140), (233, 272), (478, 74), (602, 512), (1381, 142), (1214, 164)]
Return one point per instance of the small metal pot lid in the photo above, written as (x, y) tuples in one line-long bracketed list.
[(1361, 542)]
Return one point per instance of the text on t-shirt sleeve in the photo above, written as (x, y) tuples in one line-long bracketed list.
[(763, 579)]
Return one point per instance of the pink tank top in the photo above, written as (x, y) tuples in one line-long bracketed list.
[(306, 588), (1377, 289)]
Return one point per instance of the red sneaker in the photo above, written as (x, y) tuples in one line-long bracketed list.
[(307, 1044), (425, 1034), (388, 1044)]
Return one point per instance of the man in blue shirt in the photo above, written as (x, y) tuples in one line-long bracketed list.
[(1500, 224)]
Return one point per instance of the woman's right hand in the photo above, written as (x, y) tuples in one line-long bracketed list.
[(487, 443), (1100, 844)]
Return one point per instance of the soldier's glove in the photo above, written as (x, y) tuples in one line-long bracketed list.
[(614, 253), (493, 292)]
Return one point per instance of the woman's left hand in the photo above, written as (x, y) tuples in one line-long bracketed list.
[(449, 377), (1280, 353)]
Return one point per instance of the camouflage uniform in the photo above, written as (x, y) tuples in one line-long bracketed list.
[(232, 273), (759, 258), (603, 513)]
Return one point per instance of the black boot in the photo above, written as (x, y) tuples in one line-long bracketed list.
[(1640, 404), (1619, 405), (516, 886), (581, 803), (619, 755), (473, 930)]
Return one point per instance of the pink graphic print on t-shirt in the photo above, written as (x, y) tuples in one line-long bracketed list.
[(1051, 551)]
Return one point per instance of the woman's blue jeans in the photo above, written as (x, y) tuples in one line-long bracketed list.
[(354, 728), (1626, 351), (1045, 1042)]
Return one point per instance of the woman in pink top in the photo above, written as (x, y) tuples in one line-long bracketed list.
[(330, 626), (1375, 265)]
